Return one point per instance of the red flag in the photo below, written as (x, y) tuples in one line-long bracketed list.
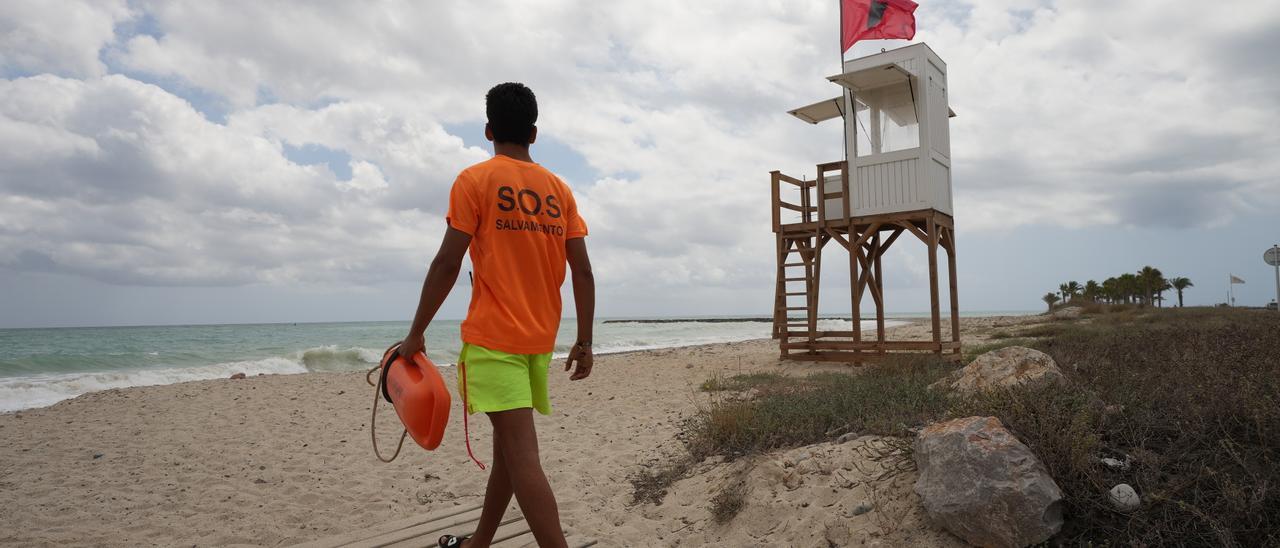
[(876, 19)]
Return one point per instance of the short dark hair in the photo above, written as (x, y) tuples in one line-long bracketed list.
[(512, 110)]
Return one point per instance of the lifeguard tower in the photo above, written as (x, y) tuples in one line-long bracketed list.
[(896, 180)]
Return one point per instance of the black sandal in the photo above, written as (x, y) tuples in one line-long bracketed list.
[(450, 541)]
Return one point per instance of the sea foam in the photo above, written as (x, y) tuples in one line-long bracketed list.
[(17, 393)]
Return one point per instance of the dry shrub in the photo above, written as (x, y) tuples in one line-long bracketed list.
[(737, 383), (1190, 397), (889, 510), (649, 484), (971, 353), (730, 499), (885, 399), (1047, 329)]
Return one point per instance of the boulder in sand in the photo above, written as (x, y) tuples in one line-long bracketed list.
[(983, 485), (1003, 368), (237, 376), (1124, 498)]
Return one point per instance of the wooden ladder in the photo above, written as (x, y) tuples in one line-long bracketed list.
[(799, 262)]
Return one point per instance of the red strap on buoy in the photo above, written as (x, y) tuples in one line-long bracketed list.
[(466, 411)]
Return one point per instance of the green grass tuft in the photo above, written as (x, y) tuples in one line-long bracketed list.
[(970, 353), (738, 383), (885, 399)]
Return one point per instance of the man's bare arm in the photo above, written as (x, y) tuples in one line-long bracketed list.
[(584, 300), (441, 276)]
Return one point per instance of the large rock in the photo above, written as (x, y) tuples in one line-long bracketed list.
[(1006, 367), (1124, 498), (983, 485)]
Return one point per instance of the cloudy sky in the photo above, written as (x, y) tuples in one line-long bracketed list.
[(204, 162)]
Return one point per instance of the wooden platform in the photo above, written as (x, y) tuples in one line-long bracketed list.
[(866, 239), (423, 531)]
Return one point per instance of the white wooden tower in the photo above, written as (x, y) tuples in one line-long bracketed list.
[(897, 178)]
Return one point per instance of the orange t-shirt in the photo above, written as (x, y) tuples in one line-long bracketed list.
[(518, 215)]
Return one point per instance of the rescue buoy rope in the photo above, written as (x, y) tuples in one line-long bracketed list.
[(373, 420), (466, 411)]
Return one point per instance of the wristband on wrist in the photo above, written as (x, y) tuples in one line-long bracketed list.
[(585, 344)]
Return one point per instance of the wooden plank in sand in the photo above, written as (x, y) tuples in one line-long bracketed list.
[(425, 530), (347, 539)]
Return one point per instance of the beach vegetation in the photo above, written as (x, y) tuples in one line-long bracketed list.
[(742, 382), (1146, 286), (1182, 404), (1179, 403), (1180, 284), (886, 399), (730, 499), (650, 483), (1050, 299), (971, 352), (1092, 290), (1046, 329)]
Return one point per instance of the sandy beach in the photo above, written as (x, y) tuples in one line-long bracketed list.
[(280, 459)]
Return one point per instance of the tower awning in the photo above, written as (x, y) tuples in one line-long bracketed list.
[(857, 81), (820, 111), (865, 79)]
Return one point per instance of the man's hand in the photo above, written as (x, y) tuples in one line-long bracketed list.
[(412, 344), (582, 356)]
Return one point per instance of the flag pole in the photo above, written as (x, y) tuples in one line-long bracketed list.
[(844, 98)]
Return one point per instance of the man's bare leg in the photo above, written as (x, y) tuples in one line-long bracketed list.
[(497, 496), (514, 435)]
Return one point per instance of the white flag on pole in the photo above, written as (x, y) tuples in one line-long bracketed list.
[(1235, 279)]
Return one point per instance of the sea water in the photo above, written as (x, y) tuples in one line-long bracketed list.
[(39, 367)]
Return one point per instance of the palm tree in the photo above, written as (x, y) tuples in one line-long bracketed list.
[(1160, 289), (1179, 284), (1049, 299), (1129, 287), (1073, 289), (1149, 280), (1092, 290), (1062, 291), (1111, 290)]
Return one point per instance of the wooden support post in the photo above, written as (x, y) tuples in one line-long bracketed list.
[(776, 191), (955, 297), (780, 292), (813, 292), (879, 281), (855, 287), (934, 308)]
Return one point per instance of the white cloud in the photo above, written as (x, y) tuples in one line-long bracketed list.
[(1071, 114), (58, 36), (130, 184)]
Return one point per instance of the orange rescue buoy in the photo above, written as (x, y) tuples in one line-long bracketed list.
[(416, 389)]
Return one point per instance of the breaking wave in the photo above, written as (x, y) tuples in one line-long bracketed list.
[(333, 358), (18, 393), (25, 392)]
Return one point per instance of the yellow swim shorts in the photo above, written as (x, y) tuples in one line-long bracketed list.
[(500, 381)]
